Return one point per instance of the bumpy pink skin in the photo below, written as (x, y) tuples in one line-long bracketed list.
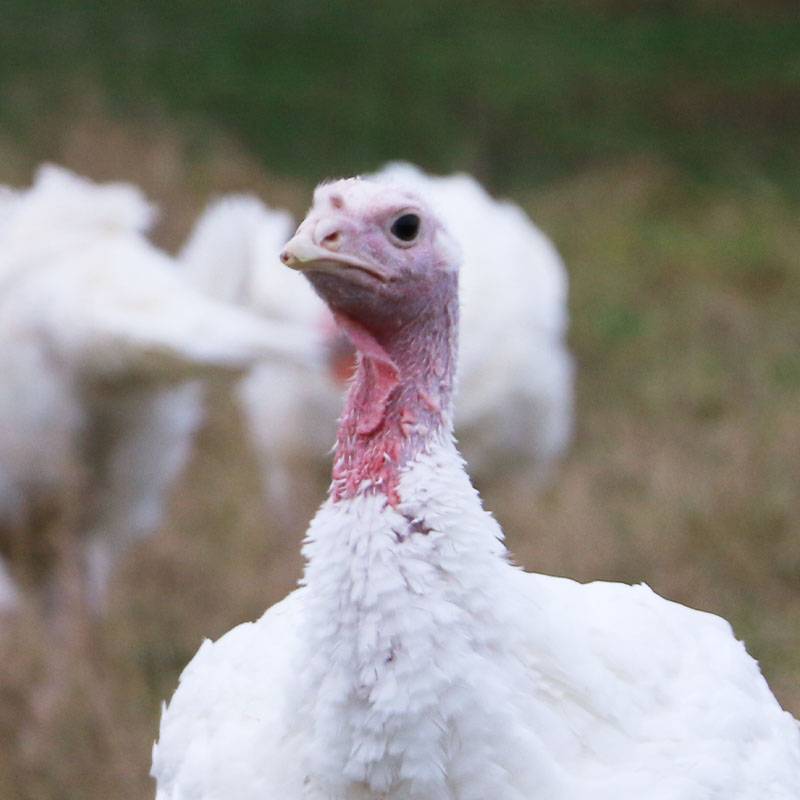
[(399, 399), (403, 325)]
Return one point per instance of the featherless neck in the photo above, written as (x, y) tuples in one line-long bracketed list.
[(400, 400)]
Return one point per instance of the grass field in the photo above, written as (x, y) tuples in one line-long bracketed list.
[(683, 474)]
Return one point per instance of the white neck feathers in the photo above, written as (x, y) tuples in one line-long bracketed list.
[(407, 611)]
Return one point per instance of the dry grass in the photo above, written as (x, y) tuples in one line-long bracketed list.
[(684, 472)]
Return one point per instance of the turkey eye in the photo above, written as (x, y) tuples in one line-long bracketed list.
[(406, 228)]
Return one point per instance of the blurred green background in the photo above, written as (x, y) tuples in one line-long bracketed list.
[(513, 91), (656, 142)]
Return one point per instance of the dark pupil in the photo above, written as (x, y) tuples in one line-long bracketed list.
[(406, 227)]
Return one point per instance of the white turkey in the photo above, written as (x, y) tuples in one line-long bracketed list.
[(98, 336), (415, 661), (516, 374), (290, 408)]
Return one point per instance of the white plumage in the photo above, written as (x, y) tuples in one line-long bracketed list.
[(416, 663), (98, 336), (516, 374)]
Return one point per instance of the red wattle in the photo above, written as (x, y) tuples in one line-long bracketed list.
[(380, 375)]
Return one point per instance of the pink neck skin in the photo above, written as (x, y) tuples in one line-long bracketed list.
[(400, 399)]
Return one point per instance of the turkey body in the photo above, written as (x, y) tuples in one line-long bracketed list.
[(424, 665), (415, 662)]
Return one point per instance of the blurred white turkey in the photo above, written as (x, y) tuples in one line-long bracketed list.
[(415, 662), (232, 255), (98, 337), (515, 386)]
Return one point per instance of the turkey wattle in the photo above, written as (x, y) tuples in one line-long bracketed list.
[(415, 662)]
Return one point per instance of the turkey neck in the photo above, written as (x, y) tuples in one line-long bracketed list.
[(400, 557), (400, 399)]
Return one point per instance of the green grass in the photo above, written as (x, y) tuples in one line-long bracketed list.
[(515, 92)]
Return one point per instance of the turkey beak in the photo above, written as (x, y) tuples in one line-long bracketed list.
[(319, 248), (300, 250)]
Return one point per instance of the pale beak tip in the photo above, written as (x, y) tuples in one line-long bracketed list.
[(289, 258)]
